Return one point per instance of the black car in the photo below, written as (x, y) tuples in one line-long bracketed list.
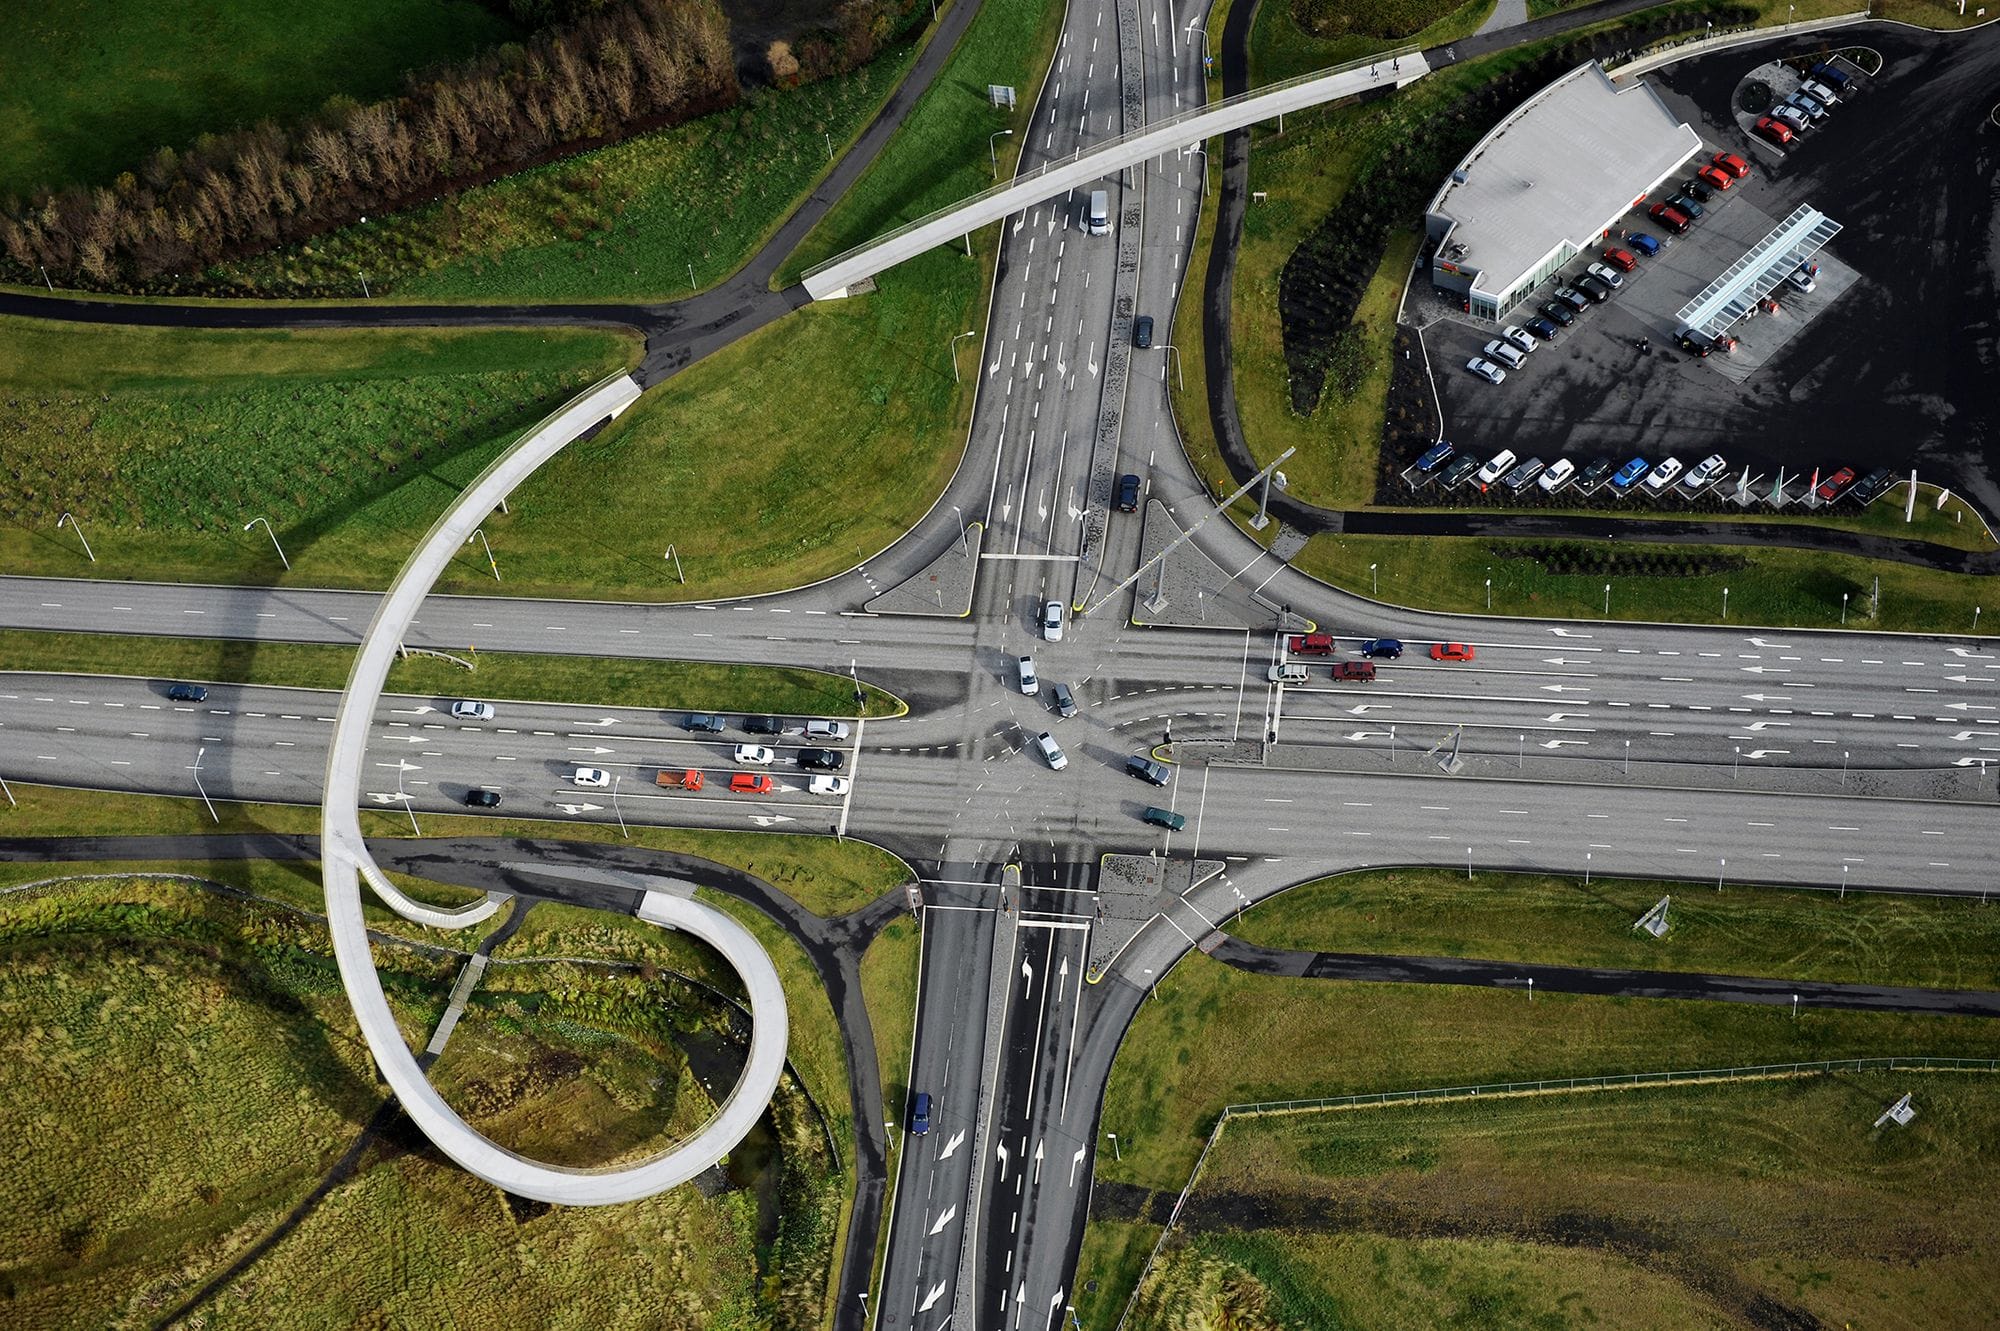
[(1128, 494), (1594, 287), (1594, 471), (1573, 298), (1694, 189), (1545, 329), (764, 725), (483, 799), (1871, 486), (187, 693), (1064, 700), (1559, 312), (1458, 472), (1695, 344), (1146, 769), (822, 760), (702, 723), (1142, 331), (1687, 205)]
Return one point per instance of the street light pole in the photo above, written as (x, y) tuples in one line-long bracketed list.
[(1374, 581), (615, 781), (970, 332), (77, 527), (1176, 358), (480, 532), (1736, 765), (1725, 605), (1115, 1155), (1489, 593), (1843, 608), (197, 785), (274, 539), (993, 151), (404, 796), (964, 549), (1607, 600), (1468, 864)]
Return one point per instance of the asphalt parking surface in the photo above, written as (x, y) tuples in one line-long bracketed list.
[(1892, 362)]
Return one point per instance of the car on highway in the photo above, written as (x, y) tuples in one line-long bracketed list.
[(1519, 336), (1715, 178), (1557, 476), (1052, 751), (1645, 244), (1622, 260), (1506, 353), (1496, 466), (1459, 472), (1544, 327), (1287, 672), (465, 709), (764, 725), (1557, 312), (833, 730), (704, 723), (1142, 331), (1663, 475), (1064, 700), (1147, 769), (755, 753), (1354, 672), (1434, 457), (1030, 684), (482, 799), (1452, 651), (1594, 471), (822, 760), (1310, 644), (1486, 370), (1730, 164), (589, 776), (1388, 649), (187, 693), (1629, 473), (1052, 621), (829, 785), (920, 1114), (1128, 493), (1608, 275), (1706, 473), (1871, 486), (1594, 287), (1833, 486), (1166, 818), (751, 783)]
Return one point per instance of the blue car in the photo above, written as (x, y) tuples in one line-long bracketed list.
[(1643, 243), (920, 1114), (1438, 455), (1387, 648), (1629, 473)]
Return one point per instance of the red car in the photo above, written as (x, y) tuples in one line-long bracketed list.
[(1451, 651), (1355, 672), (1312, 644), (1832, 487), (1670, 217), (750, 783), (1715, 179), (1622, 260), (1777, 131), (1733, 164)]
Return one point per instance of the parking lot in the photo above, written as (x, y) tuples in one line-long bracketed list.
[(1888, 362)]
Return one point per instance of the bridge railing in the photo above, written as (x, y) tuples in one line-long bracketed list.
[(1110, 147)]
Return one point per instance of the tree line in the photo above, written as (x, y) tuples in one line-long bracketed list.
[(611, 71)]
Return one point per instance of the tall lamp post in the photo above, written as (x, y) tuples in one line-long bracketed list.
[(970, 332), (480, 532), (274, 539), (197, 784), (992, 150), (76, 527), (615, 782), (1176, 359)]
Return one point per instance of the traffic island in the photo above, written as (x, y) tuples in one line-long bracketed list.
[(941, 587), (1186, 589), (1131, 890)]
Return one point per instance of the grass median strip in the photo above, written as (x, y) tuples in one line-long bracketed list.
[(605, 681)]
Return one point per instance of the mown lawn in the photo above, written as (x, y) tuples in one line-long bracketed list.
[(1692, 1206), (944, 152), (1863, 938), (623, 222), (610, 681), (92, 86)]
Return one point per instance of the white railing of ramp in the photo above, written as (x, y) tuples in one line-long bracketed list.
[(345, 860), (1390, 69)]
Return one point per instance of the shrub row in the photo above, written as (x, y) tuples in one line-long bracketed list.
[(1574, 557)]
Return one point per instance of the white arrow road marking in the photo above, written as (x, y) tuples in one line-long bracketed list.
[(1003, 1162), (386, 797), (994, 368), (1971, 762), (599, 748), (1759, 642), (1568, 633), (410, 739), (1767, 697), (1091, 358), (1565, 688), (1766, 753), (1964, 735), (574, 809), (1971, 707), (1021, 1294), (1765, 725), (420, 710), (1367, 734), (602, 721), (1564, 716), (763, 819), (957, 1140), (1766, 670), (1362, 709), (1559, 743), (949, 1214), (930, 1300), (1038, 1163), (1970, 654), (1563, 661), (1075, 1161)]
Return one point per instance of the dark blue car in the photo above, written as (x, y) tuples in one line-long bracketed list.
[(1439, 454), (1387, 648), (920, 1114), (1629, 473), (1643, 243)]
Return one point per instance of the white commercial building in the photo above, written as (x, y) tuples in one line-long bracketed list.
[(1547, 184)]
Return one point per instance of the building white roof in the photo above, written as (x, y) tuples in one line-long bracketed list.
[(1562, 167)]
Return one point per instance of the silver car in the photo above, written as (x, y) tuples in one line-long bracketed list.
[(467, 710), (1486, 370), (826, 730), (1030, 685)]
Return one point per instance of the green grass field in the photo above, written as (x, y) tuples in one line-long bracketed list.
[(92, 86), (1862, 938), (944, 150), (1768, 1203), (624, 222), (184, 1072), (607, 681), (889, 989)]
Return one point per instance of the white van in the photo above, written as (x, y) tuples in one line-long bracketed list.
[(1052, 751), (1496, 468), (1097, 220)]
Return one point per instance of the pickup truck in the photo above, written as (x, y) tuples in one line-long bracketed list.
[(1312, 644), (688, 780)]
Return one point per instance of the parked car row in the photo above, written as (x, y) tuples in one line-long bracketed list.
[(1816, 96), (710, 723), (1443, 463)]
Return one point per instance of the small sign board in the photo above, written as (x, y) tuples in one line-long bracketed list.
[(1654, 921), (914, 894), (1001, 95), (1899, 1113)]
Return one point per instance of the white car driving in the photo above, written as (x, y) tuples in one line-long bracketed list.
[(1030, 683), (826, 730), (829, 785), (1052, 621), (754, 753), (590, 776), (465, 709)]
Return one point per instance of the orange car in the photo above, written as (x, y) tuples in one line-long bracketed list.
[(750, 783), (1451, 651)]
